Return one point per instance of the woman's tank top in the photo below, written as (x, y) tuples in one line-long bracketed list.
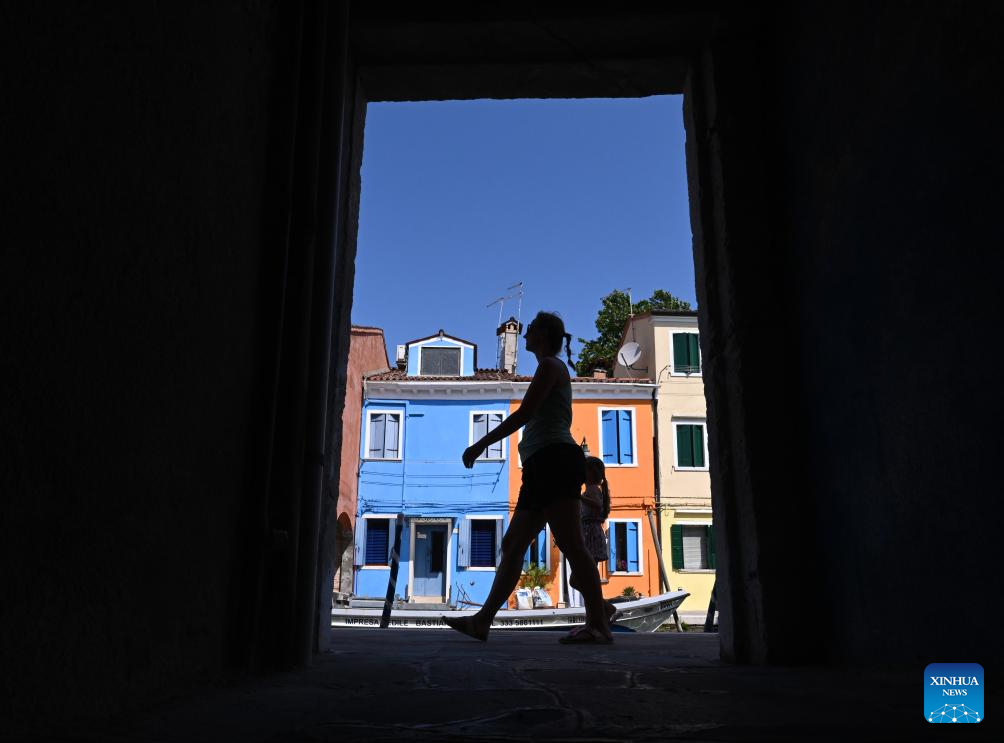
[(551, 422)]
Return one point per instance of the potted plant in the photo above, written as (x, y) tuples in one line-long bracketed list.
[(537, 578)]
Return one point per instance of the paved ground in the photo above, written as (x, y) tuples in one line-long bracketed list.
[(433, 685)]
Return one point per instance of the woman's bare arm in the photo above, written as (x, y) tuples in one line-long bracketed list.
[(547, 374)]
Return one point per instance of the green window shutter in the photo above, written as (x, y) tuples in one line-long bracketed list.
[(684, 446), (694, 352), (676, 546), (712, 562), (698, 444), (680, 351)]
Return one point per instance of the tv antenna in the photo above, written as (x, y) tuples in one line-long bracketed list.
[(519, 309), (500, 301)]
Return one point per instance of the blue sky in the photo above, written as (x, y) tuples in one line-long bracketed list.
[(461, 199)]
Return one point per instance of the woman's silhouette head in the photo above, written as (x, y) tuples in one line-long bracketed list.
[(545, 334)]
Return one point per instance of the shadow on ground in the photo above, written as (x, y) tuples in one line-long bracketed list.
[(432, 685)]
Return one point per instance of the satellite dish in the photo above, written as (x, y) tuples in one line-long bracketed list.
[(629, 354)]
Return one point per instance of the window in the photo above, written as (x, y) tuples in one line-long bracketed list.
[(383, 435), (691, 449), (692, 546), (625, 546), (617, 436), (538, 553), (481, 423), (686, 354), (480, 542), (440, 362), (377, 542)]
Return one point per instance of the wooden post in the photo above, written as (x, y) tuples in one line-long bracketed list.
[(564, 579), (395, 561), (709, 621), (663, 577)]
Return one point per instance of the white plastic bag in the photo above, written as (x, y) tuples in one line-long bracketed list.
[(541, 598), (524, 598)]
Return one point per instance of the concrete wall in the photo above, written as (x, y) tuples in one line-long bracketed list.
[(136, 267), (367, 353), (887, 201)]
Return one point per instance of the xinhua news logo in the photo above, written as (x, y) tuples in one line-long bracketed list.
[(953, 692)]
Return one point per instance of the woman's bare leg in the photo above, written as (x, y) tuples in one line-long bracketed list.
[(525, 525), (611, 607), (566, 525)]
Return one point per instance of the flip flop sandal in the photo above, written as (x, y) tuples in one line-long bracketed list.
[(586, 636)]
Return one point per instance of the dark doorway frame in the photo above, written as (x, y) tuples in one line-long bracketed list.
[(350, 56)]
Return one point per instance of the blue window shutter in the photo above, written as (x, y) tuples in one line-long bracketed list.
[(391, 435), (608, 436), (360, 541), (498, 541), (464, 543), (526, 559), (612, 543), (376, 436), (495, 450), (632, 546), (624, 431), (484, 545), (542, 547), (377, 541)]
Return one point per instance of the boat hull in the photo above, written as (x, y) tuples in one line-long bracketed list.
[(642, 615)]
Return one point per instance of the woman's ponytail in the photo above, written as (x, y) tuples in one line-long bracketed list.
[(605, 489), (568, 349)]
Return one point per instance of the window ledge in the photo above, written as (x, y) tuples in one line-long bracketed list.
[(373, 567), (381, 459), (695, 570), (690, 469), (616, 573), (480, 570)]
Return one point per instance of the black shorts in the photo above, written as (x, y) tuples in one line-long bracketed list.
[(557, 471)]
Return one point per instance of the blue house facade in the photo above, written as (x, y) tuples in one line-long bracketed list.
[(416, 423)]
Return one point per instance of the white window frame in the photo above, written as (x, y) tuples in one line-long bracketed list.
[(703, 422), (519, 457), (392, 518), (672, 356), (470, 433), (485, 518), (641, 544), (400, 435), (694, 522), (634, 433), (451, 347)]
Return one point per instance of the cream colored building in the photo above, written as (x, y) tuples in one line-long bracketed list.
[(667, 351)]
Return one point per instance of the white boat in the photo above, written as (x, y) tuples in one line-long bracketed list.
[(641, 615)]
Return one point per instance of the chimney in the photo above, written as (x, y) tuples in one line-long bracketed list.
[(402, 357), (508, 334), (599, 373)]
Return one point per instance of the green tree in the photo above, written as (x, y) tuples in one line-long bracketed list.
[(601, 352)]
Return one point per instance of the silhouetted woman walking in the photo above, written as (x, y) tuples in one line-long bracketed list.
[(553, 474)]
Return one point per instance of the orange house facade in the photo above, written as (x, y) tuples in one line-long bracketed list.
[(612, 418)]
